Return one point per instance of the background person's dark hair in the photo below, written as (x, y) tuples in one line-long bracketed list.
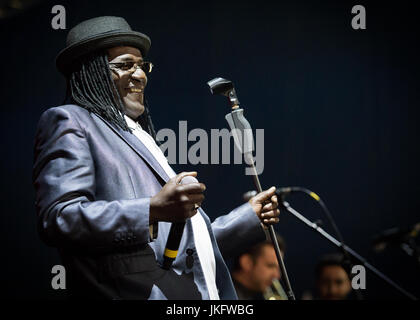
[(334, 259), (90, 85), (256, 250)]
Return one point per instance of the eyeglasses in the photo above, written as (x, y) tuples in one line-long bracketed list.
[(131, 66)]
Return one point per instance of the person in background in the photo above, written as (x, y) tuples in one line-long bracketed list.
[(333, 281), (256, 272)]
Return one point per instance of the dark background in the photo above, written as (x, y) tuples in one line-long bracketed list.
[(338, 106)]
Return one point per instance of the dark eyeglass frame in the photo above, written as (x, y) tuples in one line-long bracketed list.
[(132, 66)]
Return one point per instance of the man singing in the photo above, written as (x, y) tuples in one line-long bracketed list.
[(105, 193)]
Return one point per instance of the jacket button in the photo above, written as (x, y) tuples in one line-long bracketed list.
[(189, 260)]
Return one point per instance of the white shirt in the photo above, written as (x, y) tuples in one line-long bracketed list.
[(202, 239)]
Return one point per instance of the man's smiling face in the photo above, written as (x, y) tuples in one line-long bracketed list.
[(130, 84)]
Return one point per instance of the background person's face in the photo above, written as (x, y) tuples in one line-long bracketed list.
[(333, 283), (130, 85), (265, 269)]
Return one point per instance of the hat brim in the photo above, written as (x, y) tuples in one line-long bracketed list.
[(67, 56)]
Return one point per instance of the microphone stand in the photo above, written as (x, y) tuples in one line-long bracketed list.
[(242, 135), (284, 205), (288, 287)]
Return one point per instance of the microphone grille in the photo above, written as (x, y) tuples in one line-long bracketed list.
[(188, 180)]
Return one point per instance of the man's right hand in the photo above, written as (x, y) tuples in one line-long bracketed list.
[(176, 202)]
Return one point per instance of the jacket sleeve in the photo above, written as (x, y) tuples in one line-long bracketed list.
[(237, 230), (64, 182)]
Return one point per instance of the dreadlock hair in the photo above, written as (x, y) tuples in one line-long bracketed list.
[(90, 85)]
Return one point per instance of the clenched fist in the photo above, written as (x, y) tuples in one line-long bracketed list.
[(265, 205), (176, 202)]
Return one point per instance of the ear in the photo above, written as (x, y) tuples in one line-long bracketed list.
[(246, 262)]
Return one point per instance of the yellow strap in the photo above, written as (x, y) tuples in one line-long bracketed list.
[(315, 196), (170, 253)]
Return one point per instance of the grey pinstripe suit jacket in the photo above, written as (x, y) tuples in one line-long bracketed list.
[(93, 185)]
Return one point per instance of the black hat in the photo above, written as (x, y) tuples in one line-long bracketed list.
[(99, 33)]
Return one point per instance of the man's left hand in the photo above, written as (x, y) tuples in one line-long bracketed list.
[(265, 205)]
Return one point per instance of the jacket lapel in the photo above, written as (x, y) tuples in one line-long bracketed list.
[(139, 148)]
